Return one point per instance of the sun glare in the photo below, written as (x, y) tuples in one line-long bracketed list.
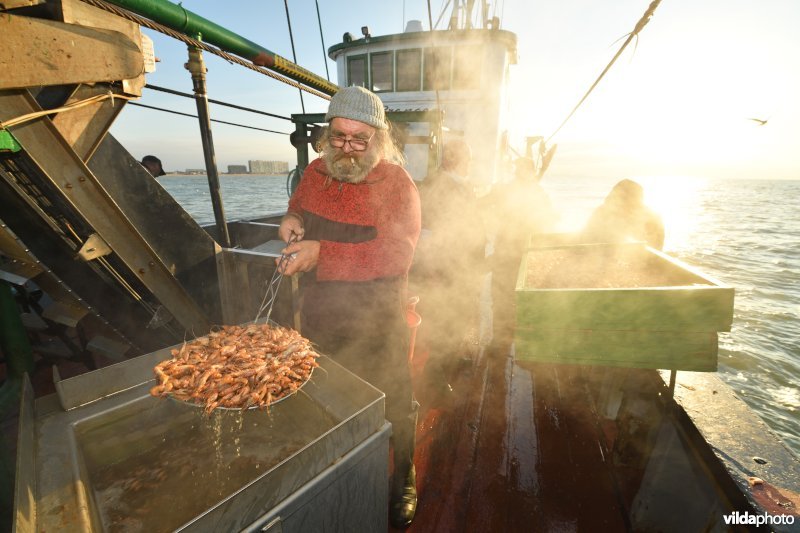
[(676, 199), (676, 108)]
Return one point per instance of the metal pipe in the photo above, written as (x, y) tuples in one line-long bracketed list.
[(182, 20), (301, 135), (197, 68)]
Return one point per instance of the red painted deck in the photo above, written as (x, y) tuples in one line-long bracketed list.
[(506, 452), (520, 446)]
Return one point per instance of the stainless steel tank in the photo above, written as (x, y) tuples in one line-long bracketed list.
[(103, 455)]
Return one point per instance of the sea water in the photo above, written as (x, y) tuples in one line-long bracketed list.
[(243, 196), (744, 233)]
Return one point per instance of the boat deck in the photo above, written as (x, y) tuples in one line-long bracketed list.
[(520, 446)]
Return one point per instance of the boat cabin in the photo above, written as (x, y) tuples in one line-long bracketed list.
[(464, 73)]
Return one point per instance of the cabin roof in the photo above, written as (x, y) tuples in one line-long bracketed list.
[(437, 37)]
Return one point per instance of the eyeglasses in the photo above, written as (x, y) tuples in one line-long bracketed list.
[(357, 145)]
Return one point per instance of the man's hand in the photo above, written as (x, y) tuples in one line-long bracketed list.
[(302, 257), (291, 228)]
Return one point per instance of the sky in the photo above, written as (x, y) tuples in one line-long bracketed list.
[(678, 104)]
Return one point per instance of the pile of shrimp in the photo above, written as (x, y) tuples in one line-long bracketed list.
[(237, 367)]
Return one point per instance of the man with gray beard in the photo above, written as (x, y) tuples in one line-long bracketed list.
[(354, 221)]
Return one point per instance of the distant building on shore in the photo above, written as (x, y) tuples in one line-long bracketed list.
[(195, 171), (268, 167), (237, 169)]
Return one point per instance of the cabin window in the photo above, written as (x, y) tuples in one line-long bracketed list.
[(409, 64), (357, 71), (467, 68), (381, 71), (437, 69)]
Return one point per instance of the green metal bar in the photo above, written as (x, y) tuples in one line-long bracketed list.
[(13, 337), (19, 360), (8, 143), (182, 20)]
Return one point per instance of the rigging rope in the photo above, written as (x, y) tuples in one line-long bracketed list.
[(212, 119), (321, 38), (441, 13), (211, 100), (635, 33), (294, 55), (147, 23)]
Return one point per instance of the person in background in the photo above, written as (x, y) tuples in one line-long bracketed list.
[(449, 264), (153, 165), (623, 216), (352, 226), (521, 209)]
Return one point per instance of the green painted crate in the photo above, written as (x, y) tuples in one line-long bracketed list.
[(622, 305)]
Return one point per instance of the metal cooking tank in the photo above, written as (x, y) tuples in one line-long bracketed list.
[(103, 455)]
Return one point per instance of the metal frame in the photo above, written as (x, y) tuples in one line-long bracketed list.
[(83, 192), (243, 276)]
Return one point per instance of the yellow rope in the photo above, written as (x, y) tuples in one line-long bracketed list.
[(68, 107)]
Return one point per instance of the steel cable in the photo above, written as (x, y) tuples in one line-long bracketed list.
[(635, 33), (147, 23)]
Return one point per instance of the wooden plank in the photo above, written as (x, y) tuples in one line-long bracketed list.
[(43, 52), (84, 128), (79, 187), (659, 308), (78, 12), (14, 4), (685, 299), (632, 322), (695, 351), (83, 14)]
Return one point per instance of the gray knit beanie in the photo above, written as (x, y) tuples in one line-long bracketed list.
[(357, 103)]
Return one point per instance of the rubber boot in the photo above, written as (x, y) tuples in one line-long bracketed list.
[(404, 499), (403, 504)]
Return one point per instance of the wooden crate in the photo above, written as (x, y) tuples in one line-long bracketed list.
[(623, 305)]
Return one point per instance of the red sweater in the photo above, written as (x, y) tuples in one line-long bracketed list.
[(384, 209)]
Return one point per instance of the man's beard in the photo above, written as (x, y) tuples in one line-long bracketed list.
[(348, 167)]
